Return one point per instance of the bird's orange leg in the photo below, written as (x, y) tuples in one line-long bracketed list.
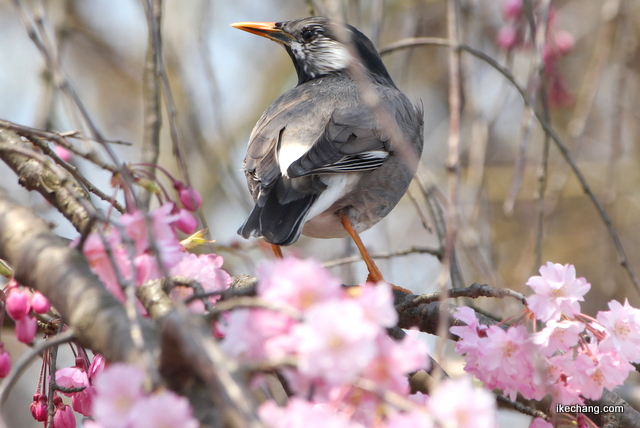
[(374, 272), (277, 251)]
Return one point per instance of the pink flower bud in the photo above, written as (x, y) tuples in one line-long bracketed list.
[(39, 408), (62, 153), (512, 9), (26, 329), (507, 37), (18, 305), (64, 418), (564, 41), (39, 303), (5, 362), (190, 198), (185, 222)]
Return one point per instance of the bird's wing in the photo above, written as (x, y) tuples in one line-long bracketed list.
[(350, 143)]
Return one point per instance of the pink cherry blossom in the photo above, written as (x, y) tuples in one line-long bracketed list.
[(301, 413), (394, 360), (558, 336), (72, 377), (557, 292), (102, 266), (39, 303), (18, 303), (252, 335), (82, 401), (118, 388), (377, 302), (594, 374), (335, 341), (26, 329), (622, 323), (206, 270), (299, 283), (64, 417), (5, 361), (163, 410), (457, 403), (96, 367), (414, 419)]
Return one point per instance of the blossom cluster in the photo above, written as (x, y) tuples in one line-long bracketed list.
[(337, 341), (558, 43), (572, 358), (131, 248), (120, 402)]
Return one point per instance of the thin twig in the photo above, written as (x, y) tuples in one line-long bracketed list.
[(8, 382), (151, 95), (474, 291), (622, 256), (254, 302), (384, 255)]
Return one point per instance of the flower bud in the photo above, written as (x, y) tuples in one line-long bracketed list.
[(18, 305), (39, 303), (5, 362), (26, 329)]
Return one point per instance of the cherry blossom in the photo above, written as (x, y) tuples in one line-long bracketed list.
[(557, 292), (456, 403), (18, 303), (622, 323), (335, 341)]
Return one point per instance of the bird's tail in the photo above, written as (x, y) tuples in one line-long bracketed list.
[(279, 221)]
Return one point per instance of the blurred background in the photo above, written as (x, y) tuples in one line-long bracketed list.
[(222, 79)]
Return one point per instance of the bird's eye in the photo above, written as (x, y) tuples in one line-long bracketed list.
[(308, 34)]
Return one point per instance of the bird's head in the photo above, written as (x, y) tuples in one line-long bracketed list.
[(316, 50)]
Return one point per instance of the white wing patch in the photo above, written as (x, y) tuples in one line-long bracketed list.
[(337, 186), (290, 153)]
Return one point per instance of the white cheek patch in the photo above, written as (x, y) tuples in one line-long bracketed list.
[(290, 153), (334, 57)]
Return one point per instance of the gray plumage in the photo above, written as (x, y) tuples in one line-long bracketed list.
[(318, 149)]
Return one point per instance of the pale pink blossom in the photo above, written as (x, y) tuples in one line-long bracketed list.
[(595, 373), (335, 341), (558, 336), (26, 329), (622, 324), (5, 361), (299, 283), (394, 360), (102, 266), (252, 335), (469, 334), (39, 303), (413, 419), (118, 388), (377, 302), (18, 303), (301, 413), (456, 403), (206, 270), (163, 410), (557, 292)]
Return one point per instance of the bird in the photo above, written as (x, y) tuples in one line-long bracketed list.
[(320, 162)]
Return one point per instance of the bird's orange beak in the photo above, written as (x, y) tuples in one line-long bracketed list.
[(265, 29)]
